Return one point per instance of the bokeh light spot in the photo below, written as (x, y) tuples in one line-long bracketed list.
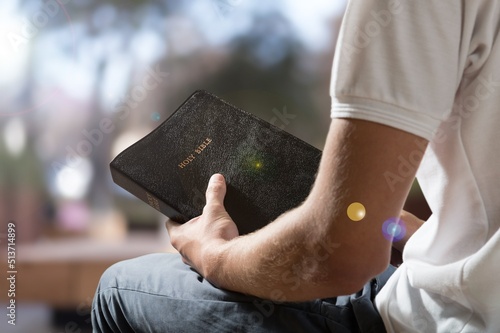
[(155, 116), (356, 211), (394, 229)]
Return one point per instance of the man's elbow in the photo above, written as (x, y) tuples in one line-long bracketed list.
[(350, 277)]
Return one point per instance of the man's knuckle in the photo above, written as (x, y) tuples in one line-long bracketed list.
[(212, 207), (214, 188)]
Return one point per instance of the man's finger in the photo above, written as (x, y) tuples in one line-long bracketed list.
[(216, 189)]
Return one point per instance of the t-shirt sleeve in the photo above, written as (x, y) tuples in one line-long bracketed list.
[(397, 63)]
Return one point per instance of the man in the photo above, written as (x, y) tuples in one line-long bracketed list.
[(409, 77)]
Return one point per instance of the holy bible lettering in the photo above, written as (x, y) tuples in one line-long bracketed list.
[(198, 151)]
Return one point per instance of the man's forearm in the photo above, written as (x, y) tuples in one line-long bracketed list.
[(291, 263), (285, 264)]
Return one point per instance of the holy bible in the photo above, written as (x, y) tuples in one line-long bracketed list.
[(267, 170)]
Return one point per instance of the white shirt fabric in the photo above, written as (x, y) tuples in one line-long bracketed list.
[(432, 68)]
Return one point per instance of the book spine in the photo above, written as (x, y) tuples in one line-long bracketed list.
[(134, 188)]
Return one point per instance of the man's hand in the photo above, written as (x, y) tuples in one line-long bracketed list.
[(198, 239), (412, 224)]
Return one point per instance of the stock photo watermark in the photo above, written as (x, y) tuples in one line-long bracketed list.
[(407, 166), (83, 310), (30, 26), (364, 35), (463, 108), (281, 119), (11, 272), (263, 308), (292, 279)]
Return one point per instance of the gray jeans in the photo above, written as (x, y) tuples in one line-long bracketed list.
[(159, 293)]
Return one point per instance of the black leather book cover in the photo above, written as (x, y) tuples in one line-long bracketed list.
[(268, 171)]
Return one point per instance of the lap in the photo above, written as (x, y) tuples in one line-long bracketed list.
[(159, 293)]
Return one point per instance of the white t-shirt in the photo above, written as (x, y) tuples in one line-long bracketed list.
[(432, 68)]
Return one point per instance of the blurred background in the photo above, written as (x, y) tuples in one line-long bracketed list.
[(81, 80)]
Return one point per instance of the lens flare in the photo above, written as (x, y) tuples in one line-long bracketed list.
[(394, 229), (356, 211)]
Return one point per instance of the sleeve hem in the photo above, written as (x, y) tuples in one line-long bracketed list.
[(417, 123)]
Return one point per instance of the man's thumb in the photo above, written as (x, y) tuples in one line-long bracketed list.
[(216, 189)]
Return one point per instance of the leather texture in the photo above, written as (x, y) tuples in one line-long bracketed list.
[(268, 171)]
